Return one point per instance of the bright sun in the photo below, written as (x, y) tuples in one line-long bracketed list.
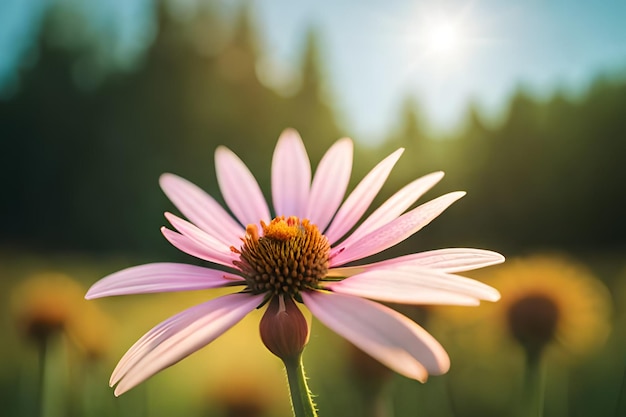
[(443, 38), (437, 39)]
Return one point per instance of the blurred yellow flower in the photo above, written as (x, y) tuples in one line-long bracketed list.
[(44, 304), (49, 303), (547, 301), (240, 396), (235, 366)]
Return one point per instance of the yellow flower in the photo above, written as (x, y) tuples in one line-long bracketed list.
[(547, 302), (49, 303), (44, 304)]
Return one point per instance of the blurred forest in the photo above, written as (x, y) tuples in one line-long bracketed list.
[(81, 155)]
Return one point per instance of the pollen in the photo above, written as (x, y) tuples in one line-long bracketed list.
[(281, 229), (289, 256)]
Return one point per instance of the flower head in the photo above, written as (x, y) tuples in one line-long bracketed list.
[(300, 254), (50, 303), (45, 304), (551, 300), (549, 303)]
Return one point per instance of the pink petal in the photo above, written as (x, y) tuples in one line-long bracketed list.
[(201, 209), (415, 285), (394, 232), (219, 251), (394, 294), (444, 260), (291, 176), (200, 251), (159, 277), (330, 183), (381, 332), (179, 336), (395, 205), (239, 188), (361, 197)]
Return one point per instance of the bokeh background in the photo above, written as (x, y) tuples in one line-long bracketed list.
[(523, 106)]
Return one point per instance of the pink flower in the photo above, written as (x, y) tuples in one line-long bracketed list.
[(301, 253)]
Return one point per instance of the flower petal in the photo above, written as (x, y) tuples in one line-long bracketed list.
[(395, 205), (361, 197), (193, 248), (399, 294), (415, 285), (219, 251), (159, 277), (381, 332), (330, 183), (291, 176), (201, 209), (179, 336), (239, 188), (393, 232), (444, 260)]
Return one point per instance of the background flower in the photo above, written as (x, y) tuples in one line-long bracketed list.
[(554, 314), (574, 298), (50, 303)]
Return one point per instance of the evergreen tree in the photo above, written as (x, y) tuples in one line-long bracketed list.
[(310, 110)]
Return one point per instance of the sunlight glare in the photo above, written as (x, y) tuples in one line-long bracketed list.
[(443, 38)]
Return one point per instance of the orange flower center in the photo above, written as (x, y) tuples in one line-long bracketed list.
[(290, 256)]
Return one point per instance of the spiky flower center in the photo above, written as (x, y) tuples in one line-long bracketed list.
[(291, 255)]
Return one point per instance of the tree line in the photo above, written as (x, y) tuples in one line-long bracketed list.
[(80, 165)]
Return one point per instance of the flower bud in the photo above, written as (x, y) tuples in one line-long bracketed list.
[(284, 330)]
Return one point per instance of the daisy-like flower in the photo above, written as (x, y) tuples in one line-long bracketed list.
[(50, 303), (299, 253), (551, 301)]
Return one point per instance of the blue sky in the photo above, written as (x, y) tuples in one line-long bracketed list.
[(376, 53)]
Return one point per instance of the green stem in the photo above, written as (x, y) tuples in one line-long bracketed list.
[(301, 400), (620, 408), (534, 387), (43, 348)]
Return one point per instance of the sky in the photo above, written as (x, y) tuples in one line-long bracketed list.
[(376, 53)]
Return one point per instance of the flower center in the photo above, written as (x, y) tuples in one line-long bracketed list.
[(290, 256), (533, 321)]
